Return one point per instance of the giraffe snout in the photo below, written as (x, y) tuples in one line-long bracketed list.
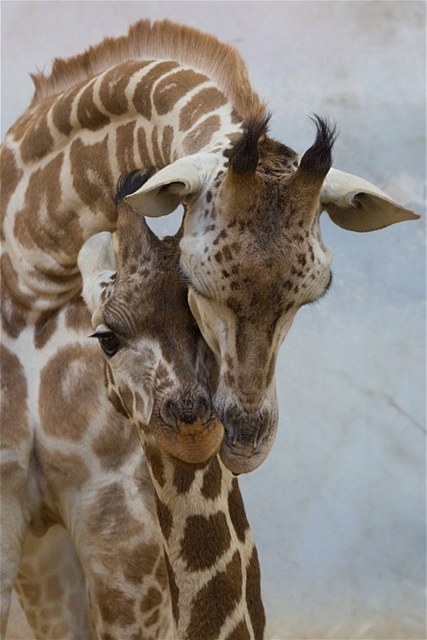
[(248, 437), (188, 430), (187, 409)]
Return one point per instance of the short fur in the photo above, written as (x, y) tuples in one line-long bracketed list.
[(163, 39)]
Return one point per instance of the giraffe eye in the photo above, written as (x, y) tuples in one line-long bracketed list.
[(109, 342)]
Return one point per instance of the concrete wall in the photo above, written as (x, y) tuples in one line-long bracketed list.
[(338, 509)]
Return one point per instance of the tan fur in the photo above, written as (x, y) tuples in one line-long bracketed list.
[(162, 39), (193, 443)]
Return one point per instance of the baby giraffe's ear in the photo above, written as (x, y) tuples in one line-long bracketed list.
[(98, 268)]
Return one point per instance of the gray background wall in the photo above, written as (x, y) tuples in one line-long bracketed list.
[(338, 509)]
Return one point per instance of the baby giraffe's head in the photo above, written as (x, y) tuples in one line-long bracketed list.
[(158, 367)]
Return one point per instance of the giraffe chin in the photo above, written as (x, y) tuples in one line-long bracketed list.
[(193, 443), (242, 459)]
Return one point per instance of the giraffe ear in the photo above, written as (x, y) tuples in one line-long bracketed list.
[(162, 193), (358, 205), (97, 266)]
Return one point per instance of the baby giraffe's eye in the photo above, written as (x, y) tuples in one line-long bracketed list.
[(109, 342)]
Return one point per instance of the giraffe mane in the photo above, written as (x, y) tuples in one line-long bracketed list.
[(161, 39)]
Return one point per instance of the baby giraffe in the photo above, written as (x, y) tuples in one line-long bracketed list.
[(150, 341)]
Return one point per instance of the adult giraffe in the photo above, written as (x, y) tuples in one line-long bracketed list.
[(108, 571)]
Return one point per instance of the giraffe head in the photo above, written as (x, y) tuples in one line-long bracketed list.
[(252, 255), (158, 367)]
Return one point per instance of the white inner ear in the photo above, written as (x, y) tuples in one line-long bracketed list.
[(357, 205), (162, 193), (97, 265)]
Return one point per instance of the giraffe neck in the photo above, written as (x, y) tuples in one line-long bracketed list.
[(211, 558), (62, 159)]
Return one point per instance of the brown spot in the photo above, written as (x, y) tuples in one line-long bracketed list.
[(174, 87), (161, 574), (54, 588), (23, 124), (155, 462), (142, 96), (227, 253), (153, 618), (167, 140), (60, 231), (253, 596), (58, 629), (216, 601), (212, 480), (240, 632), (61, 110), (237, 511), (110, 519), (174, 590), (164, 515), (287, 285), (201, 135), (32, 593), (77, 316), (157, 156), (38, 140), (139, 561), (45, 327), (14, 303), (113, 447), (75, 372), (125, 147), (112, 91), (205, 540), (92, 177), (62, 466), (113, 604), (152, 599), (289, 306), (204, 102), (15, 427), (221, 235), (142, 147), (10, 177), (90, 117), (183, 477)]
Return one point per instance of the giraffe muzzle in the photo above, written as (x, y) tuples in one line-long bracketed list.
[(193, 443), (186, 427), (248, 438)]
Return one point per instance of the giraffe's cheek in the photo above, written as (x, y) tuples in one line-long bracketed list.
[(193, 443)]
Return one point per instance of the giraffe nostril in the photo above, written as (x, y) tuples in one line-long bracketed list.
[(186, 409), (203, 407)]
